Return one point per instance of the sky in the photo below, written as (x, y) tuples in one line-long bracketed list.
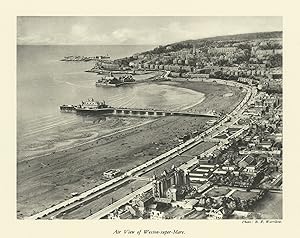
[(134, 30)]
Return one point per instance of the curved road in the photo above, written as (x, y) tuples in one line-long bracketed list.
[(139, 170)]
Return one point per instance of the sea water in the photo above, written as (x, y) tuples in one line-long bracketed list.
[(44, 82)]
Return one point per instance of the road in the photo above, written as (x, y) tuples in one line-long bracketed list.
[(79, 203), (117, 204), (224, 124), (149, 165)]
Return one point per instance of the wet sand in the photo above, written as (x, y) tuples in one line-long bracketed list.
[(74, 135), (51, 179)]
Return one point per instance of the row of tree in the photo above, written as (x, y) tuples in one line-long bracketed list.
[(231, 203)]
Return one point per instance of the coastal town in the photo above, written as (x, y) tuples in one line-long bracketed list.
[(246, 165), (255, 61), (219, 159)]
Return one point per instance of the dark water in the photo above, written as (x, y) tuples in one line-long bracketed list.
[(44, 83)]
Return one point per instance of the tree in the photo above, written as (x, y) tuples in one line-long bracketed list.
[(232, 204), (238, 203), (244, 46), (209, 201), (275, 60), (253, 215), (227, 212), (251, 202), (244, 205), (202, 201)]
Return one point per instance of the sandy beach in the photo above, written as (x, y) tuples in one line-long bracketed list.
[(48, 180)]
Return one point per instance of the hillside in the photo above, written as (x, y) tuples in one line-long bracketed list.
[(239, 37), (213, 40)]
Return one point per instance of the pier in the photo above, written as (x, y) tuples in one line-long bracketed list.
[(156, 113), (140, 112)]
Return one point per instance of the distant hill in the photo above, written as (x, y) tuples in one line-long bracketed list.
[(238, 37), (207, 41)]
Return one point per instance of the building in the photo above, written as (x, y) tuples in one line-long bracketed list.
[(172, 193), (187, 68), (246, 161), (216, 213), (198, 75), (245, 80), (202, 188), (229, 168), (175, 74), (262, 160), (261, 53), (201, 173), (220, 172), (142, 201), (157, 215), (211, 122), (112, 173), (120, 214), (110, 66), (173, 178), (222, 50), (174, 68), (188, 204), (266, 145), (161, 67)]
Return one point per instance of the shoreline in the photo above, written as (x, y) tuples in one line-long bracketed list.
[(80, 170), (87, 142), (138, 124)]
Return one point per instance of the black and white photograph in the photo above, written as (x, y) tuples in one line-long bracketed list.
[(149, 117)]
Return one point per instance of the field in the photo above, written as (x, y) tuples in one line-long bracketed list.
[(270, 206), (243, 195), (218, 191), (176, 212), (50, 179)]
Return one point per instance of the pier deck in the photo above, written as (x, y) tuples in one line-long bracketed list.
[(143, 112)]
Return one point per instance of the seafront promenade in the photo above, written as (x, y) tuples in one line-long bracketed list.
[(222, 125), (170, 154)]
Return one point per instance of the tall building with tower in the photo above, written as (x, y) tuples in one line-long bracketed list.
[(173, 178), (194, 49)]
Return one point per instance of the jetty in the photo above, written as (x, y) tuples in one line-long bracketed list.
[(144, 112)]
